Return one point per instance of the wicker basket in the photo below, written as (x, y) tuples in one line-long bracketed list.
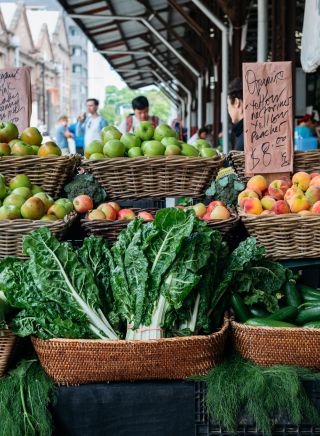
[(288, 236), (49, 172), (110, 229), (72, 361), (160, 176), (308, 161), (277, 345), (225, 226), (12, 231), (7, 342)]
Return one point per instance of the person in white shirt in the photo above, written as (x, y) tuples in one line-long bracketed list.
[(202, 133), (90, 125), (140, 106)]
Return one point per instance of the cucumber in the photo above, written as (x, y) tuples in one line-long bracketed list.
[(312, 325), (285, 314), (240, 309), (309, 294), (257, 312), (308, 315), (292, 294), (266, 322)]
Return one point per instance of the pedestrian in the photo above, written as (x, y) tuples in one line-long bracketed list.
[(90, 125), (235, 109), (140, 106), (202, 133), (79, 140), (62, 134)]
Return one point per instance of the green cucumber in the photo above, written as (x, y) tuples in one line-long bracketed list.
[(312, 325), (285, 314), (308, 315), (292, 294), (257, 312), (309, 294), (240, 309), (266, 322)]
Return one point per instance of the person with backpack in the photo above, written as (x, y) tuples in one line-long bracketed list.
[(140, 106)]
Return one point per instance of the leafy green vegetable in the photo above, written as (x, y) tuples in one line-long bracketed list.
[(262, 393), (85, 184), (226, 189), (26, 393)]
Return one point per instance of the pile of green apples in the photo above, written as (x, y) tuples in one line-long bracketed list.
[(146, 141), (29, 143), (22, 199)]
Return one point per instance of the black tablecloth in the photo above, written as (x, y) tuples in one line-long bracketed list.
[(126, 409)]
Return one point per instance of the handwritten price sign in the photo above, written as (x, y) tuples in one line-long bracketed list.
[(268, 129), (15, 96)]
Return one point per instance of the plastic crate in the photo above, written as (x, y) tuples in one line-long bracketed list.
[(204, 427)]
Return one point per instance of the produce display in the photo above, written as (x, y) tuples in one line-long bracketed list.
[(226, 187), (22, 199), (300, 195), (28, 144), (146, 141)]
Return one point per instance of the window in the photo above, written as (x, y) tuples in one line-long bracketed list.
[(76, 68), (76, 51)]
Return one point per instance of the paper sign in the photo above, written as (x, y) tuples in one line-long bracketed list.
[(268, 126), (15, 96)]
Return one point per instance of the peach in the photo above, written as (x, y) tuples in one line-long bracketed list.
[(294, 190), (298, 203), (313, 175), (313, 194), (213, 204), (316, 208), (281, 207), (277, 189), (252, 206), (302, 180), (220, 213), (126, 215), (267, 202), (115, 205), (206, 217), (257, 184), (305, 212), (247, 193), (267, 212), (287, 181), (146, 216), (200, 209), (96, 214), (315, 181), (109, 212)]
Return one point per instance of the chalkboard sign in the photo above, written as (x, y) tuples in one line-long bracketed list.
[(268, 122), (15, 96)]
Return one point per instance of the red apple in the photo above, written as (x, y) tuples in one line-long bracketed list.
[(83, 203), (96, 214), (115, 205), (146, 216), (110, 213), (200, 209), (206, 217), (126, 214), (213, 204)]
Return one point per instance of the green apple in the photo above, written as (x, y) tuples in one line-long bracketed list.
[(5, 149), (164, 131), (129, 140), (31, 136), (13, 141), (14, 200), (9, 212), (66, 203), (96, 156), (48, 218), (94, 147), (208, 152), (172, 150), (57, 210), (188, 150), (135, 152), (46, 199), (201, 143), (20, 180), (144, 130), (8, 131), (3, 189), (20, 148), (33, 208), (35, 189), (110, 132), (23, 192), (153, 148), (170, 140), (35, 149), (114, 148)]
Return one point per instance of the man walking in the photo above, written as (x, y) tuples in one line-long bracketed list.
[(90, 125)]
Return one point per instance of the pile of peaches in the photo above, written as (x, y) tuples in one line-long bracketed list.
[(300, 195)]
